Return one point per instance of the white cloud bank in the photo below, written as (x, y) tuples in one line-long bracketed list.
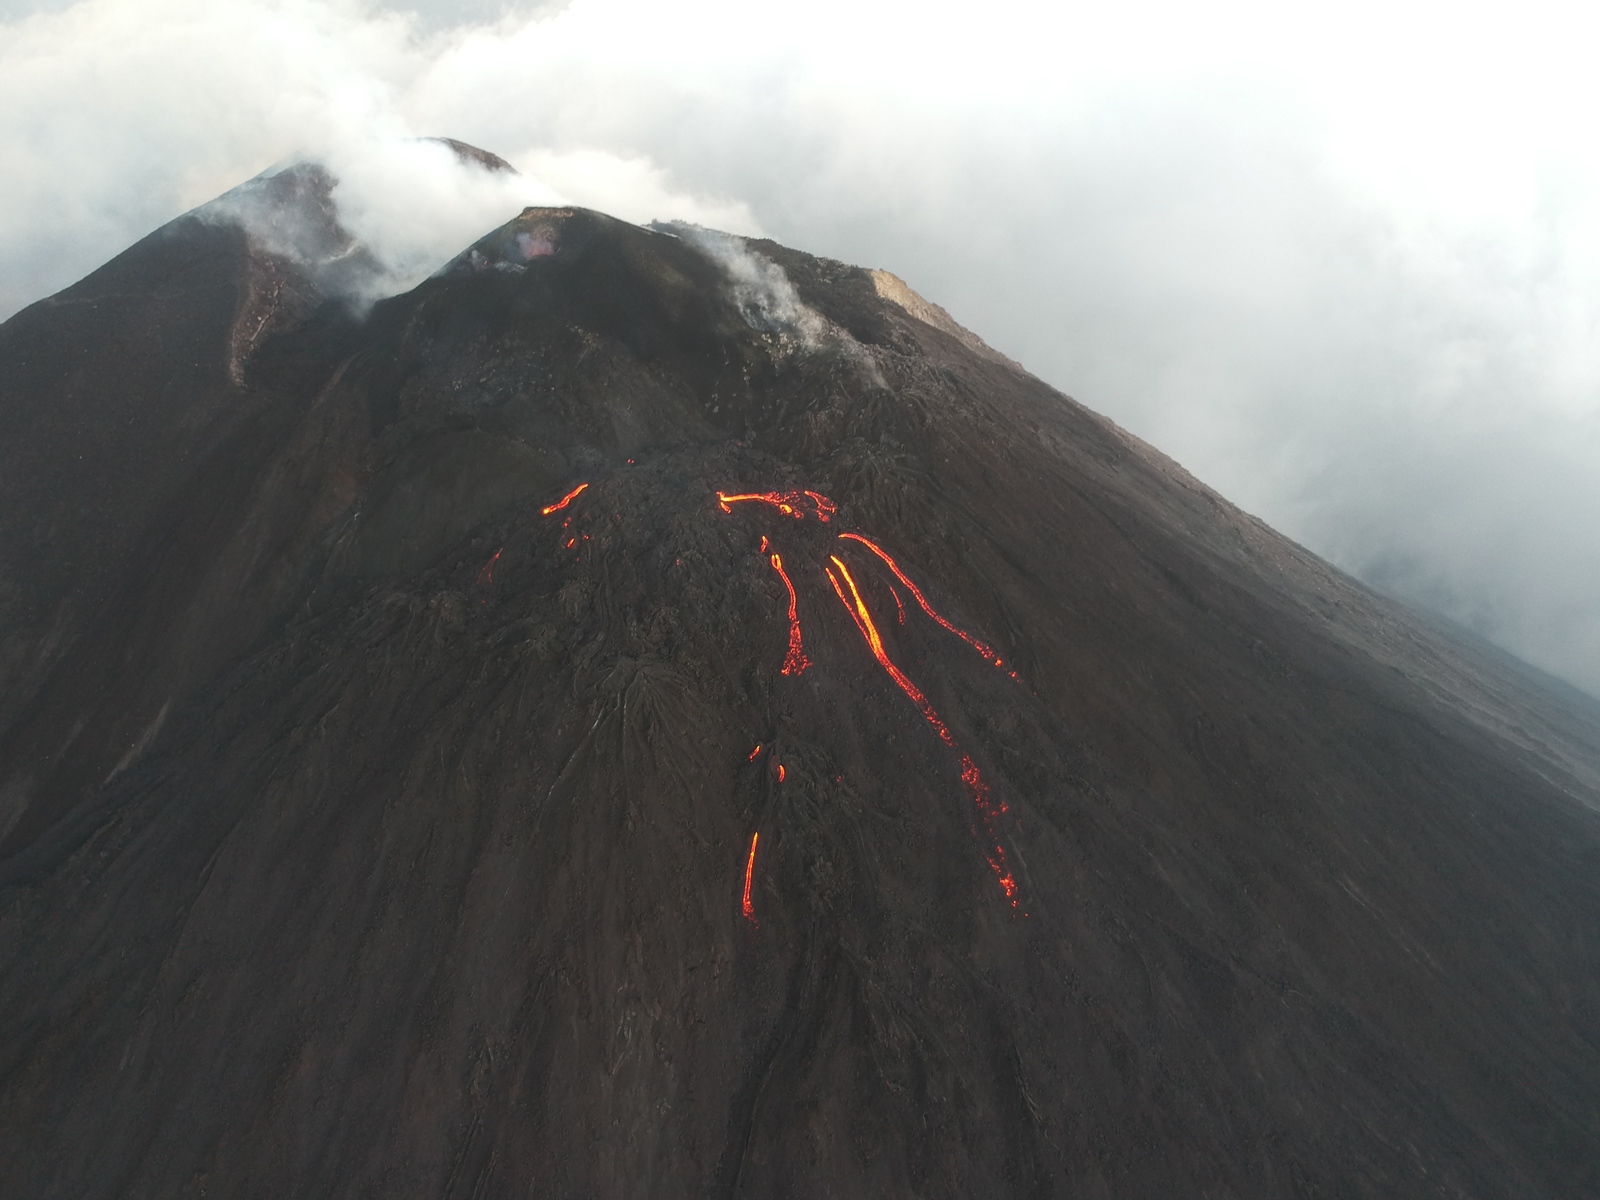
[(1344, 263)]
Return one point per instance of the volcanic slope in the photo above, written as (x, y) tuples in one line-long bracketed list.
[(647, 713)]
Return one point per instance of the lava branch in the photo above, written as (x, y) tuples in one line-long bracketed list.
[(486, 574), (749, 873), (563, 502), (795, 662), (790, 504), (825, 507), (988, 808), (922, 600), (869, 633)]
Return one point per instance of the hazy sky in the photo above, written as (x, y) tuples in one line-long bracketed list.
[(1342, 261)]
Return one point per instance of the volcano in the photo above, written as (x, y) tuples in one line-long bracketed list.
[(649, 712)]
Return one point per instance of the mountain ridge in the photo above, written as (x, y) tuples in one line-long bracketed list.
[(468, 761)]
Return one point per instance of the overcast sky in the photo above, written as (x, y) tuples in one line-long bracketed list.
[(1341, 261)]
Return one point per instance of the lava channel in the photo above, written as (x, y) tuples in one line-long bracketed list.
[(916, 592), (749, 874), (486, 574), (790, 504), (795, 662), (987, 808), (563, 502)]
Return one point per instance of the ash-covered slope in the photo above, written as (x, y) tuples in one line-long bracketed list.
[(646, 714)]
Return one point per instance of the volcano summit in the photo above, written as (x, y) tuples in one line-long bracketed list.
[(652, 713)]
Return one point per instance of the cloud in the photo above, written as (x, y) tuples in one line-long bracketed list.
[(1344, 264), (118, 116)]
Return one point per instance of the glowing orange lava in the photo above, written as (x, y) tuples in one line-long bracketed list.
[(825, 507), (795, 661), (986, 806), (486, 574), (790, 504), (749, 872), (782, 501), (754, 752), (916, 592), (563, 502), (869, 632)]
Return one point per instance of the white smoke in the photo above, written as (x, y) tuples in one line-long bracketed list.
[(758, 286), (118, 115)]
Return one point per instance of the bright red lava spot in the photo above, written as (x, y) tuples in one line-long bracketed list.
[(764, 543), (749, 873), (790, 504), (899, 604), (754, 752), (988, 809), (795, 661), (563, 502), (571, 542), (486, 574), (916, 592), (781, 772)]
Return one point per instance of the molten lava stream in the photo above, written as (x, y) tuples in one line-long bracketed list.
[(749, 873), (825, 507), (563, 502), (987, 808), (922, 600), (795, 662), (790, 504), (784, 502)]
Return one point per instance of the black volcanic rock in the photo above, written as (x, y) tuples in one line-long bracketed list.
[(369, 830)]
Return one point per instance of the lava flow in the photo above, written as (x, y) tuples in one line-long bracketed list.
[(825, 507), (749, 872), (563, 502), (486, 574), (869, 632), (790, 504), (916, 592), (795, 661), (988, 808)]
